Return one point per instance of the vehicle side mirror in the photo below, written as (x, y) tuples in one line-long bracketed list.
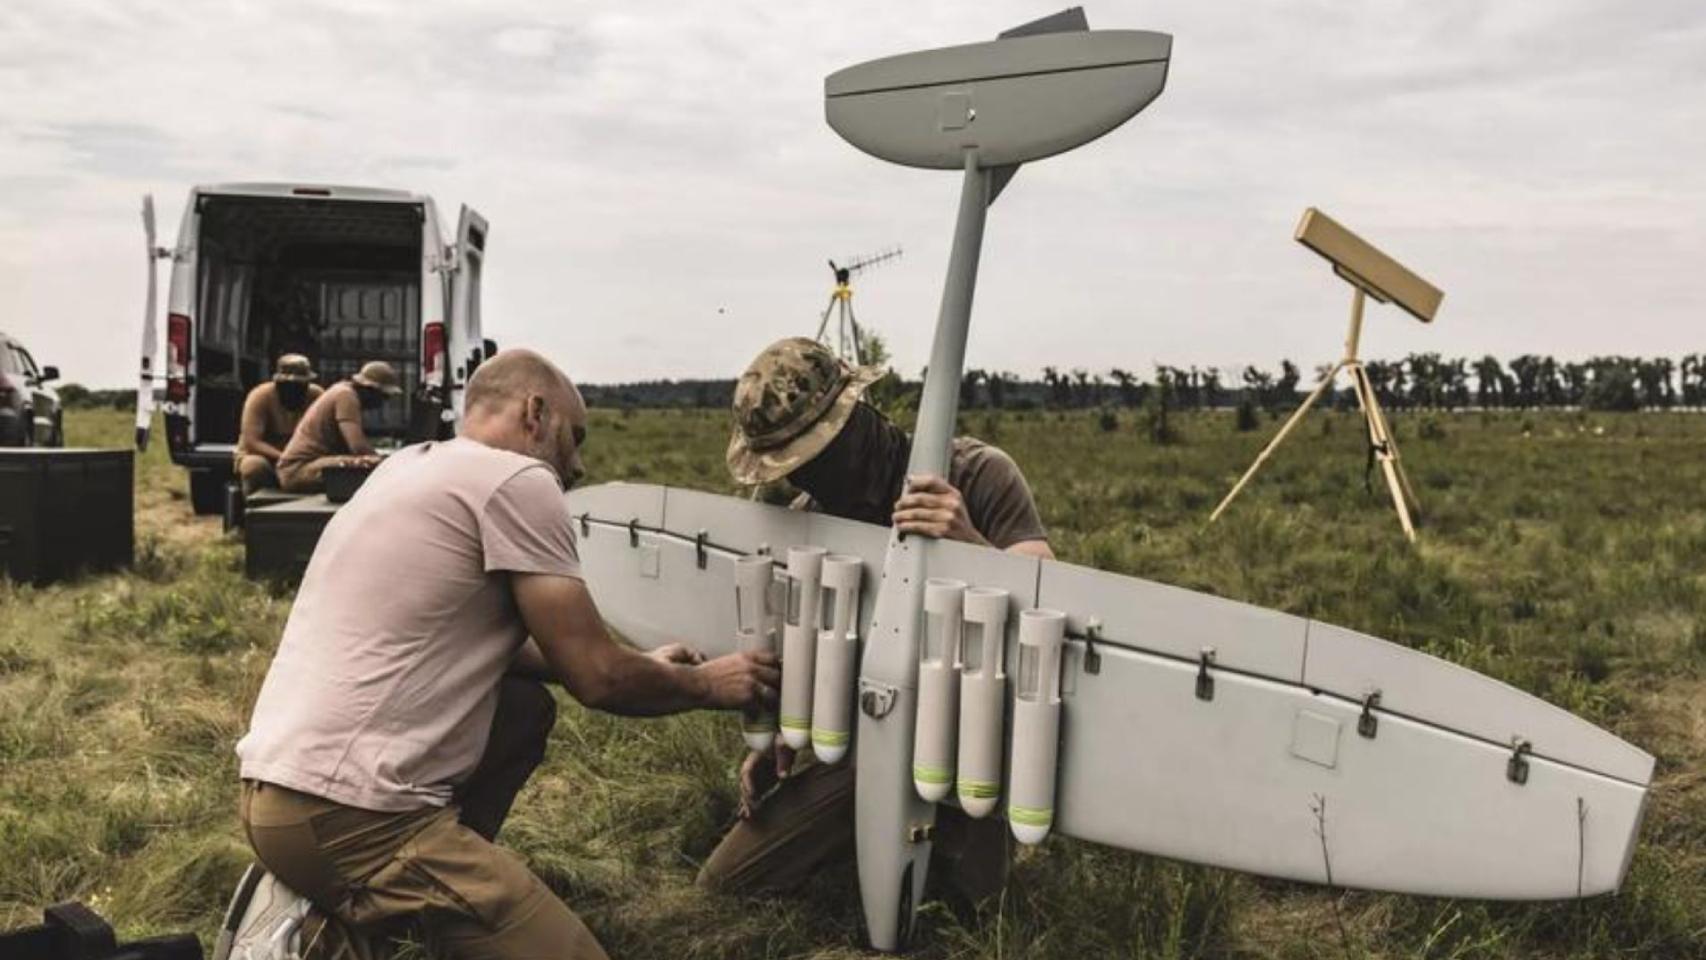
[(49, 373), (491, 347)]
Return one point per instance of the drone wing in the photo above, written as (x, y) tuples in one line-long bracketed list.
[(1286, 768)]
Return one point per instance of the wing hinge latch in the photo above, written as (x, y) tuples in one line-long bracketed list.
[(1368, 724), (1516, 768), (1205, 680), (1092, 636)]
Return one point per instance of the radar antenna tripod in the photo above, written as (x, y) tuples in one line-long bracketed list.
[(1379, 434)]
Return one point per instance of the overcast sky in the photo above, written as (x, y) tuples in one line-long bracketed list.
[(663, 191)]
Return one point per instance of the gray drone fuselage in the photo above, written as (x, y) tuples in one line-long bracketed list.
[(982, 108)]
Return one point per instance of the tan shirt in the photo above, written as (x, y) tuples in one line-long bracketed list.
[(382, 690), (998, 501), (320, 434), (268, 420)]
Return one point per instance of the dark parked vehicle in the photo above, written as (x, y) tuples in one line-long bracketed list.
[(30, 415)]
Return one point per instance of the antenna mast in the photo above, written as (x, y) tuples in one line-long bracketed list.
[(849, 343)]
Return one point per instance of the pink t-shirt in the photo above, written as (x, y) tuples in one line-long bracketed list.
[(382, 691)]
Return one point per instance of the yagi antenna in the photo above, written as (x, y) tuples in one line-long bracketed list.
[(982, 109), (849, 339)]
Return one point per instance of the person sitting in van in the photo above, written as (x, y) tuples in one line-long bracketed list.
[(331, 434), (270, 415)]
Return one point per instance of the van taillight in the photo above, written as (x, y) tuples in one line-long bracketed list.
[(432, 352), (177, 357)]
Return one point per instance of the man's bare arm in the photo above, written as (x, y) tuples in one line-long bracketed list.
[(254, 431), (574, 648), (935, 508), (355, 437)]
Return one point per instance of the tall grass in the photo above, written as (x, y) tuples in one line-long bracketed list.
[(1559, 552)]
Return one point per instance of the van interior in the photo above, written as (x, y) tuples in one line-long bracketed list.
[(338, 281)]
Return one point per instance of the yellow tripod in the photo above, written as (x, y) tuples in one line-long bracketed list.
[(1379, 434), (848, 344), (849, 341)]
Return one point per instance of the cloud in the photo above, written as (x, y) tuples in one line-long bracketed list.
[(643, 165)]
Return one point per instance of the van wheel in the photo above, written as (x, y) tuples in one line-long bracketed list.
[(58, 437), (207, 491)]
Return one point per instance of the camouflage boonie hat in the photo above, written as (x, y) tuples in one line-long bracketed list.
[(792, 400), (292, 368), (380, 376)]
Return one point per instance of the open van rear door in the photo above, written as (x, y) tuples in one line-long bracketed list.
[(466, 347), (150, 335)]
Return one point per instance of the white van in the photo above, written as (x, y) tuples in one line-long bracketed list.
[(341, 274)]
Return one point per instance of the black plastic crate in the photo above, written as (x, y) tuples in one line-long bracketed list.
[(343, 482), (63, 512), (279, 538)]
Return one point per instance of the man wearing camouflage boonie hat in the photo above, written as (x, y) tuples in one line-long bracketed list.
[(271, 412), (800, 414), (331, 434)]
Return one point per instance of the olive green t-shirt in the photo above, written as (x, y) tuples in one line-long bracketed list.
[(997, 498)]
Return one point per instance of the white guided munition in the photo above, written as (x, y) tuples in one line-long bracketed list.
[(983, 697), (755, 630), (938, 689), (1036, 724), (837, 657), (799, 644)]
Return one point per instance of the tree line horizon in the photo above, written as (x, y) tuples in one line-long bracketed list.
[(1428, 381)]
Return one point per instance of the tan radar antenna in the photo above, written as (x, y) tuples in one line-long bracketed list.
[(849, 341), (1370, 274)]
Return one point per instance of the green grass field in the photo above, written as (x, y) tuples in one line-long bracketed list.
[(1560, 552)]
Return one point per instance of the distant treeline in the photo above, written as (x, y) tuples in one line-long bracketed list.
[(1419, 381), (77, 396)]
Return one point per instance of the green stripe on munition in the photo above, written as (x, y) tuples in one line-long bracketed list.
[(925, 773), (978, 789), (796, 723), (1030, 816), (829, 738)]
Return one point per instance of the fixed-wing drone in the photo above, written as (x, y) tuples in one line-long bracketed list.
[(1141, 716)]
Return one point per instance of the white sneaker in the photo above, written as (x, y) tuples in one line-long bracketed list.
[(264, 921)]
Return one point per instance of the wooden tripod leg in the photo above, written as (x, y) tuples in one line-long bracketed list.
[(1391, 444), (1381, 437), (1397, 461), (1290, 422)]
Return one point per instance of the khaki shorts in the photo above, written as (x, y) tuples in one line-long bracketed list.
[(305, 476)]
